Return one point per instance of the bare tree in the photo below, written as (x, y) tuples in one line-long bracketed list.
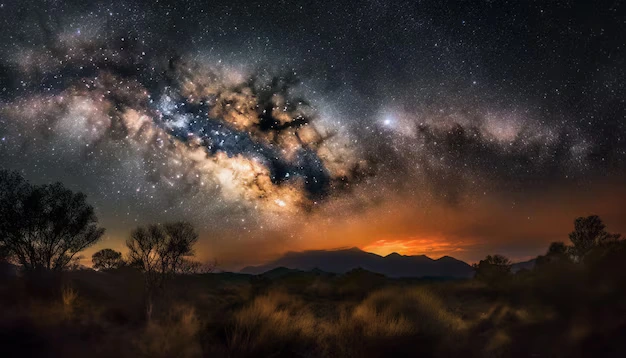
[(107, 259), (160, 251), (43, 227), (190, 267)]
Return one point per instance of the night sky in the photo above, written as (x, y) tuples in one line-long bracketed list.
[(423, 127)]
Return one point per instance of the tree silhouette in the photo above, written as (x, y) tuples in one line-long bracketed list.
[(493, 268), (557, 248), (557, 252), (189, 267), (107, 259), (160, 251), (589, 232), (44, 227)]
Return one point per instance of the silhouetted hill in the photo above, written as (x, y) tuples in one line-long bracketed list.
[(525, 265), (392, 265), (280, 272)]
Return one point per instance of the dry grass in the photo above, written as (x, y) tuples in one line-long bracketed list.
[(69, 296), (174, 336), (275, 322), (308, 317), (272, 322)]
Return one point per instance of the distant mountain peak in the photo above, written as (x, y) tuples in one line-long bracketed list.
[(344, 260), (446, 257), (354, 248), (394, 254)]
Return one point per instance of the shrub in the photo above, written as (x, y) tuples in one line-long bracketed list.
[(174, 336), (69, 296)]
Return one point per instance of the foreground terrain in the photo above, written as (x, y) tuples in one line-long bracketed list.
[(313, 314)]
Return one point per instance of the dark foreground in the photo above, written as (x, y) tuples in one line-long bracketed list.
[(563, 311)]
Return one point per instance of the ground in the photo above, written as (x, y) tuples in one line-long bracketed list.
[(298, 314)]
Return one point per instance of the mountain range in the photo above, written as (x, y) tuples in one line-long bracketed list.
[(345, 260)]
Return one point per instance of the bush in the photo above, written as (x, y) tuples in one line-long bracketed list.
[(174, 336)]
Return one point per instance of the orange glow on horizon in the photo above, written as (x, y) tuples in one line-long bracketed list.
[(431, 247)]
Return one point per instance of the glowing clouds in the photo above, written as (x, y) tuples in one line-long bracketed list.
[(432, 247)]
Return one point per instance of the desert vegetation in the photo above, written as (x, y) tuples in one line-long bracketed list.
[(156, 301)]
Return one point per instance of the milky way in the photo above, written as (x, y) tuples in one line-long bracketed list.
[(247, 115)]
